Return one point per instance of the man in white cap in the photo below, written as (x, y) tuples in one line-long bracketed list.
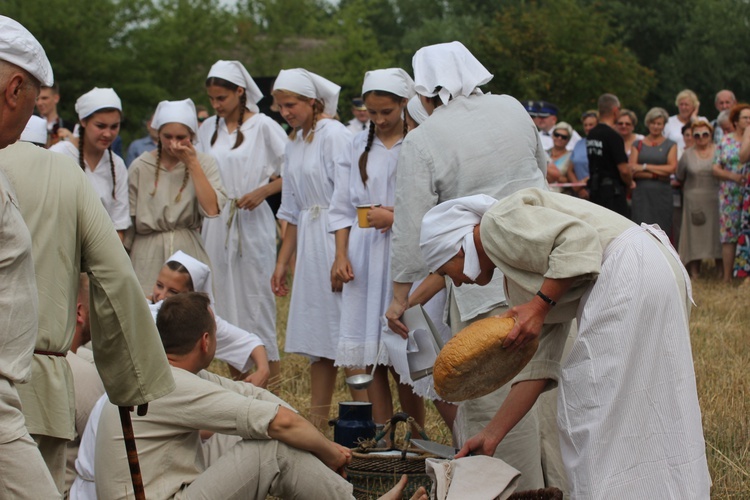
[(473, 143), (23, 67), (71, 232)]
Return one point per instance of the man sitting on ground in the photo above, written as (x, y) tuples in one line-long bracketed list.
[(281, 453)]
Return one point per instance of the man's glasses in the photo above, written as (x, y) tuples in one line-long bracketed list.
[(624, 124)]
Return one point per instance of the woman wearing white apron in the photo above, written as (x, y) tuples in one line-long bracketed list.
[(307, 102), (241, 242)]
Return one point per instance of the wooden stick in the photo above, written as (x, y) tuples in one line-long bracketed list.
[(129, 437)]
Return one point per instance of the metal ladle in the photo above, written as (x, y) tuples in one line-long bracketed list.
[(363, 380)]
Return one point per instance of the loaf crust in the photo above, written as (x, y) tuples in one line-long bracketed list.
[(473, 363)]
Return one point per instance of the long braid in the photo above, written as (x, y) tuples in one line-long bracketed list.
[(216, 131), (112, 169), (81, 135), (158, 162), (243, 104), (184, 184), (317, 110), (406, 127), (365, 153)]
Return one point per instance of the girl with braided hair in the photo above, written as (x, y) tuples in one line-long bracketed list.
[(99, 114), (249, 149), (366, 176), (172, 189), (307, 102)]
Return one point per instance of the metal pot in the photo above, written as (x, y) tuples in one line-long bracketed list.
[(354, 423)]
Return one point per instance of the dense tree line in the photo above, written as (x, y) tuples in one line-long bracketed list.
[(564, 51)]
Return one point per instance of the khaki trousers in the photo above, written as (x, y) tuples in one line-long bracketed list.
[(53, 453)]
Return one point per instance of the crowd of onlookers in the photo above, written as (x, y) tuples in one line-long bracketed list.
[(695, 185)]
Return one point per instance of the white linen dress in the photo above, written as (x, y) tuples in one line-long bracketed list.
[(366, 298), (242, 243), (309, 175), (118, 207)]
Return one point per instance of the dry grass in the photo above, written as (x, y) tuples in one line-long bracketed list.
[(721, 350)]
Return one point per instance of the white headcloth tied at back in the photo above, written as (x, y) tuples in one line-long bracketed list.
[(416, 110), (448, 227), (18, 46), (235, 72), (450, 66), (35, 130), (393, 80), (302, 82), (96, 99), (176, 112), (200, 273)]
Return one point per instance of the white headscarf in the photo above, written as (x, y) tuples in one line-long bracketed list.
[(303, 82), (416, 110), (35, 130), (96, 99), (448, 227), (450, 66), (18, 46), (176, 112), (200, 273), (235, 72), (393, 80)]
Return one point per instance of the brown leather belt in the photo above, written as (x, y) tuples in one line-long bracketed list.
[(49, 353)]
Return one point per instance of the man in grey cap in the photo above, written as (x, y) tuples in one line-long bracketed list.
[(23, 67), (71, 232)]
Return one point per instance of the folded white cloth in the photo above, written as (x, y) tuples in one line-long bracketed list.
[(478, 477)]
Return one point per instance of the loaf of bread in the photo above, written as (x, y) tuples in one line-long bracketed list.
[(474, 363)]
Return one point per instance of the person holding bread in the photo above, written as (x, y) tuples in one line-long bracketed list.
[(629, 419)]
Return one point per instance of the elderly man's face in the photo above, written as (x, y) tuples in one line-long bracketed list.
[(15, 115), (725, 100)]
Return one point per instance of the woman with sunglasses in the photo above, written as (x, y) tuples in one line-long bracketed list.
[(653, 160), (699, 233), (626, 128), (558, 153)]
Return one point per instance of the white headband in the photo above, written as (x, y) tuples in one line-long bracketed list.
[(18, 46), (200, 273), (448, 227), (416, 110), (35, 131), (450, 66), (303, 82), (175, 112), (96, 99), (235, 72), (393, 80)]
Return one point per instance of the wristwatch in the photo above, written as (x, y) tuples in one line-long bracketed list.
[(644, 167)]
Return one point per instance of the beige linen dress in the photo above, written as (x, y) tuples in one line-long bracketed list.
[(161, 223), (699, 233)]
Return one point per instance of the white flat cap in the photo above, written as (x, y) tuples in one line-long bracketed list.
[(18, 46)]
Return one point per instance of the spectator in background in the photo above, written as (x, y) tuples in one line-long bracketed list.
[(46, 106), (733, 174), (654, 160), (361, 120), (687, 104), (202, 113), (625, 125), (545, 119), (144, 144), (724, 101), (699, 234), (725, 124), (559, 154), (578, 170)]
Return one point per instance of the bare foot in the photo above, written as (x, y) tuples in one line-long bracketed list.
[(398, 490)]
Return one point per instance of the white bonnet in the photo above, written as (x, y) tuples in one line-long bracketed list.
[(176, 112), (235, 72), (393, 80), (303, 82), (450, 66), (96, 99), (35, 130)]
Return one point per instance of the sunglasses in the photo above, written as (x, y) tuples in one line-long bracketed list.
[(624, 124), (561, 136), (202, 119), (699, 135)]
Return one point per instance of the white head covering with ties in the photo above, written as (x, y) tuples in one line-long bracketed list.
[(35, 130), (303, 82), (200, 273), (449, 227), (18, 46), (96, 99), (450, 66), (416, 110), (235, 72), (393, 80), (176, 112)]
